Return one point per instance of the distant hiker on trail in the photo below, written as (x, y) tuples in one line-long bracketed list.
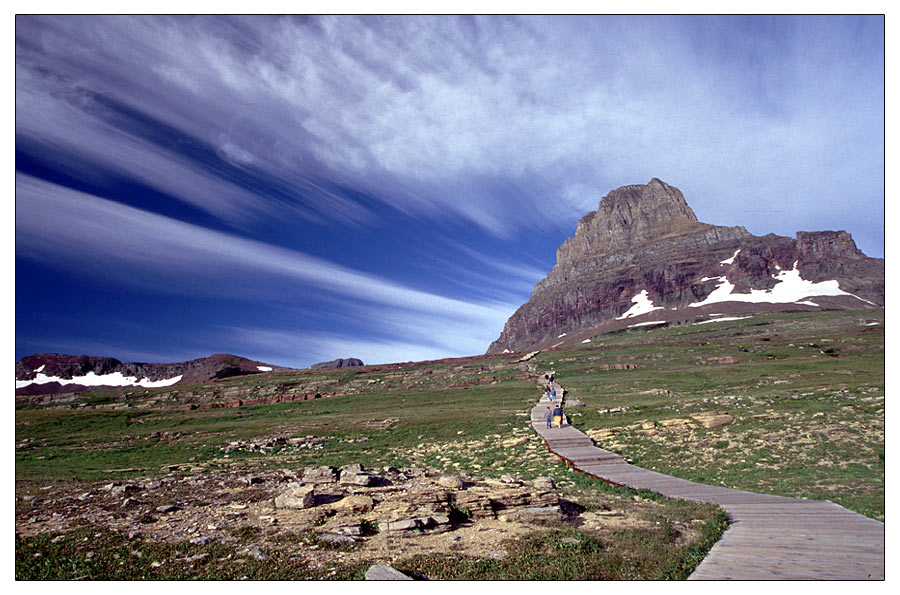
[(547, 392), (553, 395), (546, 379), (548, 417), (557, 417)]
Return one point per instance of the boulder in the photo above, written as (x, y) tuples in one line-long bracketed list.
[(296, 496), (320, 475), (451, 481), (359, 478), (356, 503)]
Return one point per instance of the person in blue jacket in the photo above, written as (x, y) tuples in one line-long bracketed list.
[(557, 416)]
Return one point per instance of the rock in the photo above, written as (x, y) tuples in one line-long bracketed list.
[(201, 540), (721, 360), (601, 435), (296, 496), (356, 503), (574, 403), (677, 424), (512, 442), (399, 525), (334, 538), (451, 481), (320, 475), (713, 420), (167, 508), (254, 552), (509, 478), (352, 530), (544, 483), (380, 572), (534, 514), (359, 478), (124, 489)]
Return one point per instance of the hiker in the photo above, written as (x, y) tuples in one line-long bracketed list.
[(548, 417), (553, 395), (557, 416), (547, 392), (546, 380)]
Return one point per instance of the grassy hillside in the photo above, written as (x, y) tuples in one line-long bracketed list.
[(801, 397)]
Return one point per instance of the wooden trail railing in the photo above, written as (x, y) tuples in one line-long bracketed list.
[(769, 537)]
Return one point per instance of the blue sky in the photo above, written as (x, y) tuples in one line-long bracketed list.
[(391, 188)]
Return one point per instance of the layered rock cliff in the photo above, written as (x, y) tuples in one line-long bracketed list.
[(643, 252)]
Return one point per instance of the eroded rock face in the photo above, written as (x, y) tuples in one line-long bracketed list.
[(645, 239), (338, 363)]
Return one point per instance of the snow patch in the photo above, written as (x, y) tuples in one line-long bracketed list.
[(730, 260), (652, 322), (791, 288), (727, 318), (264, 368), (642, 305), (586, 341), (92, 379), (561, 336), (506, 351), (41, 369)]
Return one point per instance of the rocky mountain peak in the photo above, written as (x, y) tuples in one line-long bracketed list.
[(629, 215), (643, 258)]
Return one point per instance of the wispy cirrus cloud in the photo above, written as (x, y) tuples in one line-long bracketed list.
[(496, 120), (128, 246)]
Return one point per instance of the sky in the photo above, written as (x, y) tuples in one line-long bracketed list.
[(297, 189)]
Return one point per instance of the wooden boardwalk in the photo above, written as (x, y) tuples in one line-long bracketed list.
[(769, 537)]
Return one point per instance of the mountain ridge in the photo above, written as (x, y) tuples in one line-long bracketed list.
[(47, 373)]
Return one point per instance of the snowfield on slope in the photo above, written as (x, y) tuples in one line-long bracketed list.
[(791, 288), (92, 379), (642, 305)]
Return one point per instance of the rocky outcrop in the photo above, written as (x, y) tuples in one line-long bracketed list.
[(338, 363), (644, 255)]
